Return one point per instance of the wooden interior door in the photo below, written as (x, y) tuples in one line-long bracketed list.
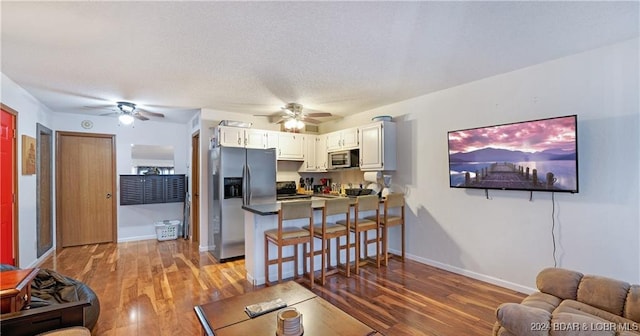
[(8, 188), (85, 188), (195, 187), (44, 181)]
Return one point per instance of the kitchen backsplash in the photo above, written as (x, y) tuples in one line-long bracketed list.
[(288, 171)]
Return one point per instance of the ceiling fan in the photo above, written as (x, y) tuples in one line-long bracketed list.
[(127, 113), (294, 118)]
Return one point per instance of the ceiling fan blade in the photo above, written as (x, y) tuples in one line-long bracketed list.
[(311, 121), (319, 114), (150, 114), (140, 116), (109, 114), (278, 120)]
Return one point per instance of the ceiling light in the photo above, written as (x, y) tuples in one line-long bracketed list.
[(299, 124), (290, 124), (126, 107), (126, 119)]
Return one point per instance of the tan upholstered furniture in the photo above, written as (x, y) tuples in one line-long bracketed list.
[(392, 202), (361, 226), (326, 231), (570, 303), (289, 236)]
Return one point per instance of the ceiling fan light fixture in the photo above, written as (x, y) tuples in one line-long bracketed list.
[(299, 124), (126, 119), (126, 107), (291, 124)]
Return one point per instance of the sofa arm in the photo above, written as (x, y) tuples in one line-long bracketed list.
[(522, 320), (38, 320)]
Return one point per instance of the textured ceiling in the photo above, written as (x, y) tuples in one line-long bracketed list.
[(253, 57)]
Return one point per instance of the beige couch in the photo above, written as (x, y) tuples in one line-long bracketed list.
[(569, 303)]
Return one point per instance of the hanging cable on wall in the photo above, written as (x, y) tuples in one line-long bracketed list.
[(553, 227)]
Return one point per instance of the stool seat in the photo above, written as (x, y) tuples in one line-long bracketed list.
[(390, 220), (363, 224), (288, 233), (331, 228)]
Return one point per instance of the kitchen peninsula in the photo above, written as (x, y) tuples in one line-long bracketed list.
[(262, 217)]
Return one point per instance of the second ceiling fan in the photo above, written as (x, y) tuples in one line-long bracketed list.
[(293, 116)]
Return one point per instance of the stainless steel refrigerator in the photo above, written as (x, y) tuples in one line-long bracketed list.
[(238, 176)]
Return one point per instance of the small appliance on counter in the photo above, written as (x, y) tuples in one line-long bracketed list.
[(387, 185)]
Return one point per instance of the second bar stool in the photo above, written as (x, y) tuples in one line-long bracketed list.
[(289, 236), (327, 231)]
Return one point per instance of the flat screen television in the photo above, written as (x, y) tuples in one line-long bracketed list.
[(535, 155)]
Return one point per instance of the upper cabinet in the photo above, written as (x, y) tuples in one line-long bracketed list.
[(230, 136), (315, 156), (378, 146), (309, 164), (322, 159), (290, 146), (343, 140)]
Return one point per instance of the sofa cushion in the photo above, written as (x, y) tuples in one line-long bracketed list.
[(604, 293), (542, 300), (559, 282), (522, 320), (570, 324), (616, 322), (632, 306)]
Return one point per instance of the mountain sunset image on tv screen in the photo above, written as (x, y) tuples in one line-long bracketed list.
[(536, 155)]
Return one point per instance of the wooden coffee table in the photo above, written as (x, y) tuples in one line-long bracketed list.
[(227, 317), (15, 289)]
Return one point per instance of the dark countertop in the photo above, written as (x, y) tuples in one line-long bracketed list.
[(272, 208)]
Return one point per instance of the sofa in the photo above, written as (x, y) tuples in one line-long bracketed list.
[(569, 303), (57, 301)]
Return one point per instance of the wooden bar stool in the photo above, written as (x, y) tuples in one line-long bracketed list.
[(361, 226), (327, 231), (289, 236), (392, 201)]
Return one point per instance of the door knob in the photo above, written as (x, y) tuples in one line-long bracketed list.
[(108, 195)]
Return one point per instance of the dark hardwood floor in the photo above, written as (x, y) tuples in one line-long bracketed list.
[(150, 288)]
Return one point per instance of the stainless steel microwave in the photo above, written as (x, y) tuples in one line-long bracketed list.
[(344, 159)]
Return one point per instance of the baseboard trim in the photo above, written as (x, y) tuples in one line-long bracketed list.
[(130, 239), (478, 276), (205, 248), (40, 260)]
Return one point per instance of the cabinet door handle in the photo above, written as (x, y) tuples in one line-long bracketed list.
[(108, 195), (239, 141)]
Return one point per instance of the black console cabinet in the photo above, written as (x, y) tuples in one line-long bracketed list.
[(149, 189)]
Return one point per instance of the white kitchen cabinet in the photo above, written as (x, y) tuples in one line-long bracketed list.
[(322, 159), (343, 140), (255, 138), (230, 136), (309, 164), (272, 139), (378, 146), (290, 146)]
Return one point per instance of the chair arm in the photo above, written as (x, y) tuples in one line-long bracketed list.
[(34, 321)]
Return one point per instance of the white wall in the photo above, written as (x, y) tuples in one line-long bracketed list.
[(135, 222), (507, 239), (30, 112)]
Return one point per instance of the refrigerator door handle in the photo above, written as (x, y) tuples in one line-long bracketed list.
[(244, 185), (248, 185)]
